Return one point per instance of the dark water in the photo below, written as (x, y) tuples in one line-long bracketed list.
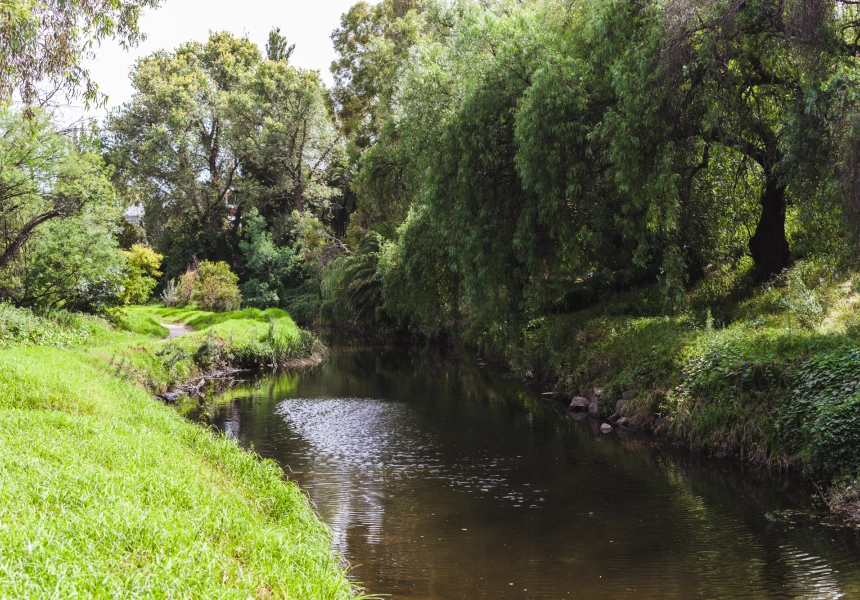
[(441, 480)]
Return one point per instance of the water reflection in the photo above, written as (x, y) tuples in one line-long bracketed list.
[(441, 481)]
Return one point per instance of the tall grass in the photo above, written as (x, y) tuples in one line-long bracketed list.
[(250, 338)]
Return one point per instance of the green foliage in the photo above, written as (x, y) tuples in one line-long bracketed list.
[(372, 43), (271, 270), (216, 288), (250, 338), (57, 328), (58, 211), (352, 285), (303, 302), (557, 154), (215, 133), (142, 274), (130, 234), (821, 420), (45, 42), (420, 286), (185, 289)]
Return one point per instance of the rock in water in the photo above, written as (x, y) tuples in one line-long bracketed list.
[(579, 404), (606, 428)]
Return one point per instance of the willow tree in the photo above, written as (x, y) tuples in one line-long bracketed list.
[(660, 100)]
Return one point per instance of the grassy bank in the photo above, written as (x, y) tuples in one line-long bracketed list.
[(247, 339), (105, 492), (769, 374)]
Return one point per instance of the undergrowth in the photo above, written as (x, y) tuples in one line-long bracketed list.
[(769, 374)]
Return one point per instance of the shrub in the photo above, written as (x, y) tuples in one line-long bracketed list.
[(170, 294), (187, 283), (821, 422), (272, 270), (216, 288), (141, 274), (57, 328)]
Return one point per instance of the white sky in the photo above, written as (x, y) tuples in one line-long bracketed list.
[(307, 24)]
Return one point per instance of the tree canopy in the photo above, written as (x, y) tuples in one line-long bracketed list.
[(47, 42)]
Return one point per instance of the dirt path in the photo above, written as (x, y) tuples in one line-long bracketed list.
[(176, 330)]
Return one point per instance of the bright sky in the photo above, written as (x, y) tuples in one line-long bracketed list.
[(307, 24)]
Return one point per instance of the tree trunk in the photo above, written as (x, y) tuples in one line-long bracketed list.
[(24, 234), (768, 246)]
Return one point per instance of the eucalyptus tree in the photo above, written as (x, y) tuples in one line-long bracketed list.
[(172, 142), (47, 41), (285, 139), (372, 43)]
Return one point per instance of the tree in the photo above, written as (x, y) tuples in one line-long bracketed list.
[(372, 43), (738, 84), (277, 48), (216, 288), (271, 269), (172, 142), (71, 263), (43, 177), (284, 139), (141, 274), (213, 130), (49, 40)]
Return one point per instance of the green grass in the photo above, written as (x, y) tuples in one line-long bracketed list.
[(139, 321), (105, 492), (249, 338), (57, 328)]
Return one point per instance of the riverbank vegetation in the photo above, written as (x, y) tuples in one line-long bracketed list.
[(104, 491), (657, 199)]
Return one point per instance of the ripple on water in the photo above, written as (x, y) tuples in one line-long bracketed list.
[(438, 494)]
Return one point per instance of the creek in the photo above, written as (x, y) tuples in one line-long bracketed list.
[(443, 480)]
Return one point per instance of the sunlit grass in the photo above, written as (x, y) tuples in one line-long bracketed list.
[(106, 492)]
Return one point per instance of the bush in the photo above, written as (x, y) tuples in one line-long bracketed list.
[(170, 294), (272, 270), (57, 328), (141, 274), (187, 283), (821, 421), (216, 288)]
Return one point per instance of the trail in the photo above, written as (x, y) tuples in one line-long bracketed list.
[(176, 330)]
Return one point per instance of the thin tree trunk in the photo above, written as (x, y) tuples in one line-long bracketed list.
[(768, 245)]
